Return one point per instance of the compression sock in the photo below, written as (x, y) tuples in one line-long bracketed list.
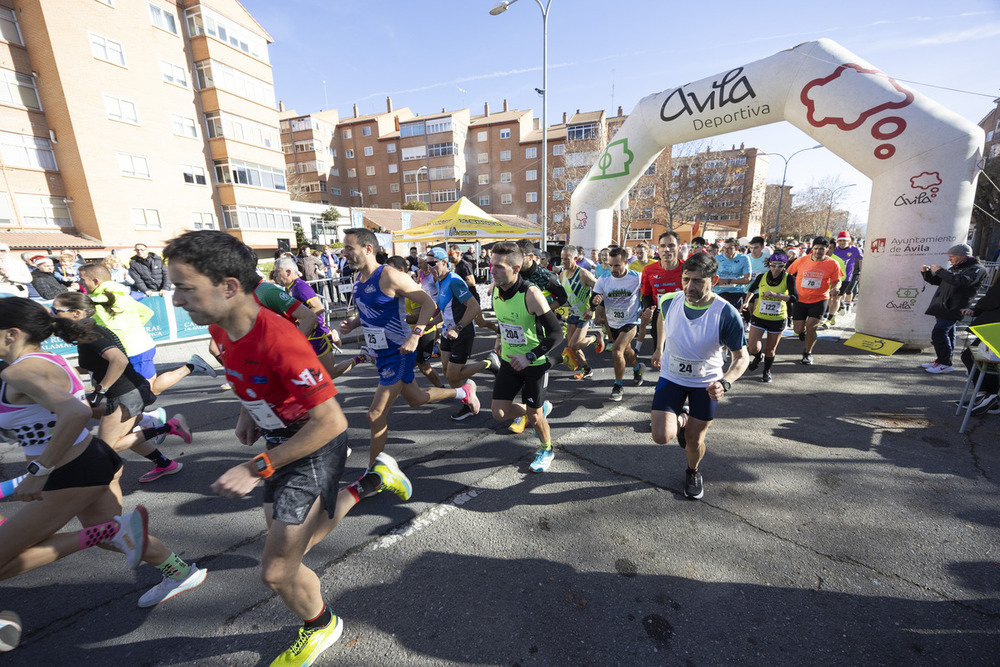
[(97, 534), (546, 445), (323, 619), (618, 383), (190, 367), (158, 459), (767, 363), (366, 486), (460, 394), (150, 433), (174, 567)]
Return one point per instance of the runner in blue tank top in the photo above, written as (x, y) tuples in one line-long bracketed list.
[(380, 293)]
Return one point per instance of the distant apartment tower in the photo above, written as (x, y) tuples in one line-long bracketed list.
[(140, 120), (991, 126)]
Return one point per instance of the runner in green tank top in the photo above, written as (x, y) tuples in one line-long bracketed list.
[(578, 283)]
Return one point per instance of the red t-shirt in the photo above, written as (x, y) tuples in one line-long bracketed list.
[(273, 371), (656, 281)]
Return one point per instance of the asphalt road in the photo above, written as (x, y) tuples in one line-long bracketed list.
[(844, 521)]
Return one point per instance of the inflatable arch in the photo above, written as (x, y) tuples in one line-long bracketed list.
[(921, 157)]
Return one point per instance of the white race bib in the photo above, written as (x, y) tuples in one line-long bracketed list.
[(770, 307), (812, 281), (375, 339), (618, 315), (687, 368), (512, 334), (262, 414)]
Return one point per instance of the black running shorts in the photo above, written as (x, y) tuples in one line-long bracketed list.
[(532, 382), (802, 311), (96, 466), (293, 489)]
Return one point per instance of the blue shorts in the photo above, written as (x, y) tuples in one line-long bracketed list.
[(143, 363), (578, 321), (670, 397), (394, 367)]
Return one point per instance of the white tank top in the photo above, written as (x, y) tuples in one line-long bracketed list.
[(692, 355), (31, 425)]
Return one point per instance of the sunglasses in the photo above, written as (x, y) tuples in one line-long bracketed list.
[(432, 262), (777, 264), (54, 310)]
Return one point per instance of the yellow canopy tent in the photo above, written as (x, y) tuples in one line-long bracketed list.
[(464, 221)]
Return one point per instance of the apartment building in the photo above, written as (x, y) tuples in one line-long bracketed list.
[(991, 126), (140, 120)]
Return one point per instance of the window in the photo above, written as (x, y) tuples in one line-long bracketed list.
[(372, 190), (581, 132), (652, 170), (146, 218), (558, 195), (347, 133), (531, 175), (505, 177), (557, 216), (531, 152), (107, 50), (639, 235), (484, 200), (335, 171), (414, 153), (307, 146), (213, 74), (6, 210), (558, 149), (238, 172), (507, 199), (369, 151), (571, 184), (390, 148), (194, 175), (119, 109), (22, 150), (411, 130), (484, 179), (256, 217), (675, 172), (505, 156), (483, 158), (352, 173), (559, 172), (203, 21), (396, 206), (533, 217), (163, 19), (582, 159), (348, 152), (442, 125), (644, 192), (439, 173), (231, 126), (482, 136), (201, 220), (505, 133), (394, 187), (439, 150), (644, 214), (366, 131), (393, 168), (415, 175), (174, 74), (9, 32), (444, 196), (184, 126), (531, 197), (38, 211), (133, 165), (369, 171)]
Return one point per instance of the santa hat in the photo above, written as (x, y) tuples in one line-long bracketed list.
[(844, 235)]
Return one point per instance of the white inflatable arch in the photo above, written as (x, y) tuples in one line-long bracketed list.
[(921, 157)]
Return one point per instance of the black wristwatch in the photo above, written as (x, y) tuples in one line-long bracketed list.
[(726, 384), (531, 357)]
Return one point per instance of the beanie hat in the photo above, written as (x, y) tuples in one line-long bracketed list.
[(961, 250)]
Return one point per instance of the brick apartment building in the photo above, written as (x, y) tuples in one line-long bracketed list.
[(136, 121), (991, 126)]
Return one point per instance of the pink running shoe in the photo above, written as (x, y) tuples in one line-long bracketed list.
[(179, 427), (159, 471), (470, 396)]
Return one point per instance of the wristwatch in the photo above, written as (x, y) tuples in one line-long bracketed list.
[(262, 465), (36, 469), (419, 331), (726, 384), (531, 357)]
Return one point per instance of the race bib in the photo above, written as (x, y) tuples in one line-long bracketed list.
[(618, 315), (769, 307), (812, 280), (262, 414), (375, 339), (688, 368), (512, 334)]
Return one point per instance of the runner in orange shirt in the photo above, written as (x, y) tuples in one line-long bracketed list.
[(815, 275)]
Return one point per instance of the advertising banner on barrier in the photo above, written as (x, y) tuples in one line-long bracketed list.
[(168, 325)]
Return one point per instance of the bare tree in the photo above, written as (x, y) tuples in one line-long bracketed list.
[(566, 173)]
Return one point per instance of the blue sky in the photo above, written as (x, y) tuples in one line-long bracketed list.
[(453, 54)]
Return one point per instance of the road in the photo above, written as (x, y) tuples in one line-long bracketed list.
[(844, 521)]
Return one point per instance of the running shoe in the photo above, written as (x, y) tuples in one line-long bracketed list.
[(310, 644), (494, 360), (170, 587), (179, 427), (10, 631), (463, 412), (802, 336), (470, 396), (832, 321), (569, 359), (755, 362), (201, 367), (766, 377), (159, 471), (682, 422), (392, 477), (928, 364), (225, 386), (546, 409), (617, 392), (132, 537), (543, 459), (585, 372), (939, 368), (367, 355), (599, 343), (807, 359), (694, 486), (985, 405), (637, 372), (517, 426)]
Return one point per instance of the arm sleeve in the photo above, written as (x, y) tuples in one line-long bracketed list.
[(793, 292), (552, 330), (557, 291)]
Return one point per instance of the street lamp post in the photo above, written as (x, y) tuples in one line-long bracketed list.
[(417, 181), (781, 194), (500, 9), (829, 209)]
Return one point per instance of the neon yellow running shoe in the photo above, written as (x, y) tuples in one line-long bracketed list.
[(392, 477), (517, 426), (569, 359), (310, 644)]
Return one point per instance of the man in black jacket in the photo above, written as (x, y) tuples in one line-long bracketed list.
[(43, 278), (147, 270), (956, 287)]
